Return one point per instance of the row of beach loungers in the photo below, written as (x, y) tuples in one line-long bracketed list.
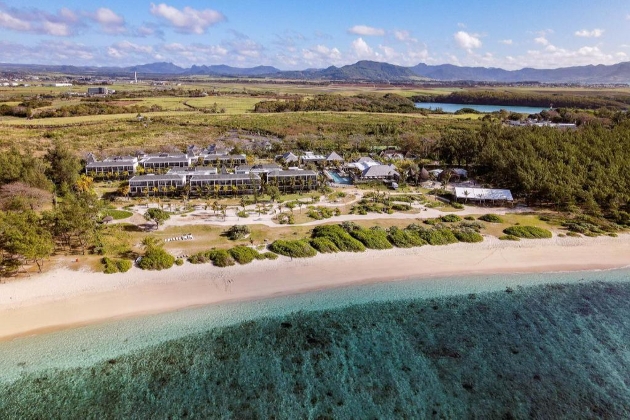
[(180, 238)]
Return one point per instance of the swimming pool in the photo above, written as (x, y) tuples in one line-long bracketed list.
[(338, 179)]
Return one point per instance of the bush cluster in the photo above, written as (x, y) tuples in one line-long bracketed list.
[(293, 248), (238, 232), (338, 236), (156, 258), (244, 254), (527, 232), (450, 218), (468, 235), (491, 218), (404, 238), (115, 266), (374, 238), (324, 245), (319, 213)]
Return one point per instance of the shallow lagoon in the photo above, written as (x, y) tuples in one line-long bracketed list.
[(455, 347)]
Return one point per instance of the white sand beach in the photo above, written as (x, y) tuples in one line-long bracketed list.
[(63, 298)]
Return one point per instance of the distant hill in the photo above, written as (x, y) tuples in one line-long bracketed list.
[(362, 70), (369, 71), (223, 70), (616, 73)]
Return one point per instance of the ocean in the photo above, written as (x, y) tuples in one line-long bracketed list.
[(554, 345)]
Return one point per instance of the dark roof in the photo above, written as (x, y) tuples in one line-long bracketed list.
[(167, 159), (334, 156), (377, 171)]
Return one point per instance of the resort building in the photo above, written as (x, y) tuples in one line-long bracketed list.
[(166, 161), (225, 184), (483, 195), (228, 161), (293, 180), (334, 159), (310, 157), (156, 184), (288, 158), (119, 165), (190, 172), (382, 172), (257, 169)]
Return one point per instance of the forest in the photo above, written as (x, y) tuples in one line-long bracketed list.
[(390, 102), (585, 169)]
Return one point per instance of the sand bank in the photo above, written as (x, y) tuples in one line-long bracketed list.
[(63, 298)]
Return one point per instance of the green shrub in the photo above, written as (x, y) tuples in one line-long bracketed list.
[(574, 234), (179, 261), (431, 222), (295, 249), (324, 245), (491, 218), (400, 207), (450, 218), (509, 238), (469, 218), (238, 232), (528, 232), (340, 237), (156, 258), (372, 238), (319, 213), (474, 225), (124, 265), (243, 214), (403, 238), (243, 254), (269, 255), (221, 258), (457, 205), (439, 236), (110, 265), (467, 235)]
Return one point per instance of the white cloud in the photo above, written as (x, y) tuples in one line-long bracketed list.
[(361, 49), (541, 40), (506, 42), (366, 31), (109, 21), (318, 56), (467, 41), (187, 20), (10, 22), (106, 16), (56, 28), (595, 33)]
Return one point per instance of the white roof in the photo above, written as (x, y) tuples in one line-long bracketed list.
[(362, 166), (483, 193)]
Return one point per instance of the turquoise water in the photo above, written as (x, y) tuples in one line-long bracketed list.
[(346, 180), (480, 108), (484, 347)]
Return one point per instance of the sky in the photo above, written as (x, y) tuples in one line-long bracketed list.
[(300, 34)]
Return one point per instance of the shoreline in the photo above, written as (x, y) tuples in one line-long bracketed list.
[(63, 299)]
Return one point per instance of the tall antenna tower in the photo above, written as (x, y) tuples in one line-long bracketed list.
[(135, 77)]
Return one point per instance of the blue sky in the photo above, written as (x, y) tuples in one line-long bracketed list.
[(300, 34)]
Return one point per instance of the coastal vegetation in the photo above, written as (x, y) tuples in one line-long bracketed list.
[(528, 232)]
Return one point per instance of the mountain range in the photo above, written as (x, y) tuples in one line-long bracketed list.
[(370, 71)]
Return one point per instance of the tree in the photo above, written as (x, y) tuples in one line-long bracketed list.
[(64, 166), (157, 215), (274, 192)]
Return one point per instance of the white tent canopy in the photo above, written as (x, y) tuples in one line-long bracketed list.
[(483, 194)]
